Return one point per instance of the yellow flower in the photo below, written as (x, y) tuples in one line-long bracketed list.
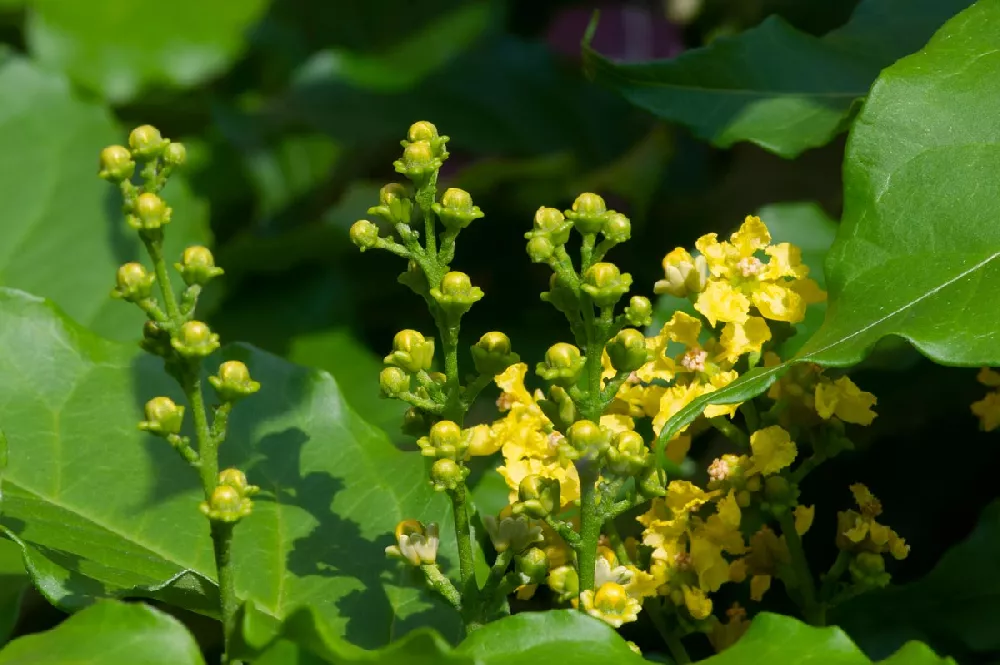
[(721, 302), (842, 398), (483, 441), (759, 585), (683, 328), (643, 584), (779, 302), (611, 604), (740, 338), (785, 261), (804, 518), (697, 602), (988, 411), (988, 377), (515, 470), (708, 562), (684, 496), (511, 380), (773, 450), (861, 532)]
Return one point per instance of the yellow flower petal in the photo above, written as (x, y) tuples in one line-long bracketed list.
[(773, 449), (988, 377), (708, 562), (779, 303), (483, 441), (751, 236), (683, 328), (842, 398), (786, 261), (988, 411), (804, 518), (697, 603), (759, 585), (740, 338), (721, 302)]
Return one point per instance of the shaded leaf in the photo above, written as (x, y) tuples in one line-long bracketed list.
[(119, 48), (13, 582), (110, 633), (773, 85), (775, 639), (954, 607), (63, 234), (117, 509), (916, 253)]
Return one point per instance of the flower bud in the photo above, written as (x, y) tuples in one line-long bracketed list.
[(395, 206), (364, 234), (238, 481), (540, 249), (392, 381), (195, 340), (445, 440), (233, 381), (560, 295), (538, 496), (415, 544), (683, 275), (563, 364), (868, 570), (197, 265), (587, 438), (605, 284), (146, 141), (565, 582), (227, 504), (422, 131), (456, 210), (780, 494), (116, 164), (589, 213), (150, 212), (639, 311), (456, 295), (418, 161), (492, 355), (550, 223), (411, 351), (627, 350), (511, 533), (415, 422), (447, 474), (175, 154), (532, 565), (617, 227), (629, 455), (134, 283), (163, 417), (155, 339)]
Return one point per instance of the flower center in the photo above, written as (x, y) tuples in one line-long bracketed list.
[(694, 360), (749, 266), (719, 469)]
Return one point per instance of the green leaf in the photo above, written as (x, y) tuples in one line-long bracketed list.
[(13, 582), (775, 639), (63, 235), (119, 48), (773, 85), (539, 637), (117, 509), (916, 253), (956, 605), (110, 633)]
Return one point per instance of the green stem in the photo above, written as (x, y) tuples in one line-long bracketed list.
[(442, 585), (617, 544), (153, 240), (831, 577), (427, 405), (731, 431), (805, 468), (496, 576), (587, 251), (222, 538), (590, 527), (208, 451), (670, 638), (463, 534), (564, 529), (425, 199), (813, 611)]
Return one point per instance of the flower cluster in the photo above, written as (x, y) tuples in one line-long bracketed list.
[(988, 408)]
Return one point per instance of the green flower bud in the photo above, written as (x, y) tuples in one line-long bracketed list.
[(456, 210), (418, 161), (227, 504), (627, 350), (414, 278), (538, 496), (447, 474), (238, 481), (392, 381), (456, 295), (415, 422), (233, 381), (653, 482), (629, 455), (163, 417), (197, 265), (532, 565), (175, 154), (422, 131), (195, 340), (605, 284), (587, 438), (411, 351), (155, 339), (560, 295), (563, 364), (445, 440), (617, 227), (559, 408), (540, 249), (868, 570), (550, 223), (146, 141), (150, 212), (639, 311), (395, 205), (134, 283), (116, 164), (779, 494), (565, 582), (492, 355), (589, 213)]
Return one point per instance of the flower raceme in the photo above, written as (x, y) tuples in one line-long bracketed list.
[(578, 432)]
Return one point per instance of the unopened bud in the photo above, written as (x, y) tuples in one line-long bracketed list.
[(195, 340), (233, 381), (116, 164)]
